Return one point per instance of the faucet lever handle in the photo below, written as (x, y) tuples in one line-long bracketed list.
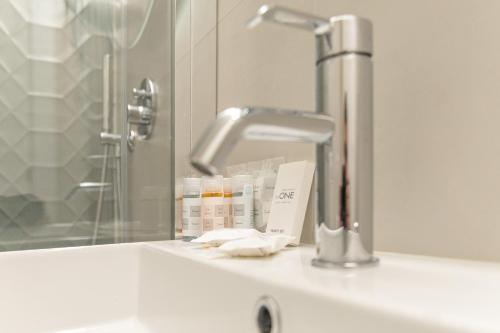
[(289, 17)]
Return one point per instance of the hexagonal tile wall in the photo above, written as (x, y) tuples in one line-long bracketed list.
[(50, 101)]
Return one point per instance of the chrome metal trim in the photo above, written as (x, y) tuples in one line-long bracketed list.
[(270, 306)]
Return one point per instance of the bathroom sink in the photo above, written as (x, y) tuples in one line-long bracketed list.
[(172, 286)]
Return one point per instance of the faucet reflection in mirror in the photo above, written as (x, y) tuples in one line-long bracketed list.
[(341, 128)]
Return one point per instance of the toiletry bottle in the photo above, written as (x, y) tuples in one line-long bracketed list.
[(212, 207), (228, 203), (191, 209), (179, 193), (242, 186), (263, 197)]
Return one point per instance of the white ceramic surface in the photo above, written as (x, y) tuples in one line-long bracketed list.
[(171, 286)]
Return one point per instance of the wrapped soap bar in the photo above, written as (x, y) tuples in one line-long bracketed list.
[(220, 236), (256, 246)]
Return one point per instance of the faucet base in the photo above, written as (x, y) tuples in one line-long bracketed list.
[(372, 261), (341, 247)]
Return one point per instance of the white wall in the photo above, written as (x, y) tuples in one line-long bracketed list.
[(437, 101)]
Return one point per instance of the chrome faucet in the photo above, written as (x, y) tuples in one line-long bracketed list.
[(341, 128)]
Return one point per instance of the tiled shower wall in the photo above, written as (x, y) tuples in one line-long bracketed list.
[(50, 117)]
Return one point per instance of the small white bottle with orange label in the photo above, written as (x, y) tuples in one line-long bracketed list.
[(228, 203), (212, 203)]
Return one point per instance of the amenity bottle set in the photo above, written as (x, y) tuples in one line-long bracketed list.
[(210, 203)]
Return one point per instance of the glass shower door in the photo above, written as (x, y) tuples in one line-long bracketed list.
[(62, 146)]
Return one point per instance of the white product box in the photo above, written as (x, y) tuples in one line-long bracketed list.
[(290, 198)]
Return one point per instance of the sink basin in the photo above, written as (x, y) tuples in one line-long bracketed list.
[(172, 286)]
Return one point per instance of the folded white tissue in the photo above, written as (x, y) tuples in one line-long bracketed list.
[(244, 242)]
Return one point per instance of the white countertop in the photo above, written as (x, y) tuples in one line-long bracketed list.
[(122, 326), (449, 293)]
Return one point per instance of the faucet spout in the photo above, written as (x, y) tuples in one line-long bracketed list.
[(256, 123)]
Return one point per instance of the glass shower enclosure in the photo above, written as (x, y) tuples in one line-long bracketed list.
[(63, 146)]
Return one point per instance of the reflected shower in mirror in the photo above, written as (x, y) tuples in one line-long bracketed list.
[(60, 83)]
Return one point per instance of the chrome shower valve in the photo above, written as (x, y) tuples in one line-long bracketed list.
[(141, 115)]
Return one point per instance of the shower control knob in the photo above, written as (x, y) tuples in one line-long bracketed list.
[(141, 93), (139, 115)]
